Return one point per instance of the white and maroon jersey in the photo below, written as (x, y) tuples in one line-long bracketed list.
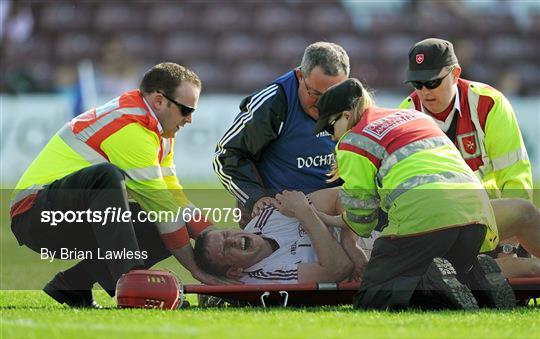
[(281, 267), (366, 244)]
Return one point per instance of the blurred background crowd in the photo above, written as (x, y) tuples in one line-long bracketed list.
[(237, 47)]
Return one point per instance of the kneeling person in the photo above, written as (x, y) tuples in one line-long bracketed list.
[(439, 215)]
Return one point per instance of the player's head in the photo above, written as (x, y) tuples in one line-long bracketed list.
[(226, 252), (433, 71), (341, 107), (324, 64), (173, 92)]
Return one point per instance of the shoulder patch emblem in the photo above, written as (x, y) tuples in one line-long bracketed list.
[(468, 145)]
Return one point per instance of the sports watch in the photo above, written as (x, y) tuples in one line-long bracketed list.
[(508, 248)]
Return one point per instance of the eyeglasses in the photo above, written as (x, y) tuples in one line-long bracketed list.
[(311, 92), (184, 110), (431, 84), (330, 127)]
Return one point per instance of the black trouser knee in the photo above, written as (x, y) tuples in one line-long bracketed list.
[(98, 188), (397, 266)]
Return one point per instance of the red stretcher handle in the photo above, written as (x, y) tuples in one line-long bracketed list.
[(314, 294), (202, 289), (345, 286), (525, 281)]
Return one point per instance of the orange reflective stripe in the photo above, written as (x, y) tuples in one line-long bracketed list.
[(88, 153), (24, 200), (102, 122), (96, 125)]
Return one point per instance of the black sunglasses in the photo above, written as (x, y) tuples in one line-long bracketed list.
[(330, 127), (431, 84), (185, 110)]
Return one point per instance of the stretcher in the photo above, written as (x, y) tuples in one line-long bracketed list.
[(525, 289), (321, 294)]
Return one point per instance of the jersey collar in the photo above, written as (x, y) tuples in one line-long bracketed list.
[(153, 114)]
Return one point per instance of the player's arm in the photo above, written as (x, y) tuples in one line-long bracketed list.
[(261, 118), (328, 207), (349, 242), (325, 200), (334, 264), (511, 166)]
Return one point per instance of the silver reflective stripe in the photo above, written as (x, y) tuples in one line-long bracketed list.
[(34, 189), (349, 201), (167, 148), (483, 170), (169, 226), (147, 173), (327, 286), (420, 180), (365, 143), (85, 151), (410, 149), (168, 171), (362, 219), (89, 131), (509, 159)]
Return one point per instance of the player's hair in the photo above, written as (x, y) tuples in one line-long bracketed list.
[(359, 106), (331, 58), (202, 256), (166, 77)]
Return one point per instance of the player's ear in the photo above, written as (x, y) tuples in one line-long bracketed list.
[(234, 273)]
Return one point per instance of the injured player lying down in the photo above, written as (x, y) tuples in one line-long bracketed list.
[(287, 245)]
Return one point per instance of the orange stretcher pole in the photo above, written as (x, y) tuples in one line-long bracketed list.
[(319, 294)]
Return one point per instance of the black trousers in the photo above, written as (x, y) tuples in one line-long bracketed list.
[(397, 266), (94, 188)]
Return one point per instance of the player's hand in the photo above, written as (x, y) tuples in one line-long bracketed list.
[(262, 203), (356, 254), (210, 279), (358, 270), (292, 203)]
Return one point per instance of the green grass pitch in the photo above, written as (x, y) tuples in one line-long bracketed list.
[(26, 312), (31, 314)]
